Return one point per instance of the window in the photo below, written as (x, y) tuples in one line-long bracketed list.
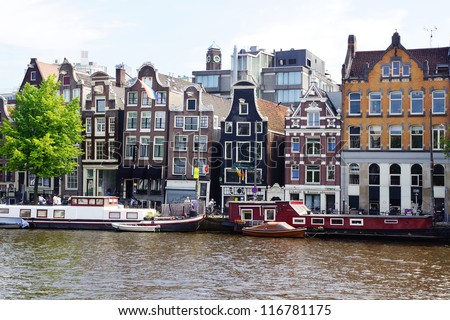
[(417, 137), (100, 105), (208, 81), (146, 101), (374, 137), (41, 181), (246, 214), (231, 176), (395, 102), (76, 93), (158, 148), (416, 102), (191, 123), (295, 144), (375, 103), (179, 122), (395, 172), (269, 214), (88, 151), (295, 172), (146, 120), (331, 144), (288, 96), (203, 143), (160, 120), (438, 137), (374, 174), (66, 94), (66, 80), (131, 120), (396, 68), (88, 126), (313, 174), (416, 175), (438, 175), (72, 180), (201, 168), (406, 69), (228, 127), (353, 173), (288, 78), (243, 108), (100, 126), (130, 145), (179, 166), (161, 98), (33, 76), (355, 103), (144, 148), (259, 127), (355, 138), (385, 71), (330, 172), (132, 98), (204, 122), (243, 128), (228, 150), (111, 150), (243, 152), (100, 150), (180, 143), (438, 101), (313, 119), (112, 126), (395, 137), (191, 104), (313, 146)]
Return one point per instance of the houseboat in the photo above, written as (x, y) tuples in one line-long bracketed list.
[(296, 214), (94, 213)]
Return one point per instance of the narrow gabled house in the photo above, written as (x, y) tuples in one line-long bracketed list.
[(395, 111), (73, 84), (251, 138), (145, 135), (313, 134), (190, 139), (102, 115)]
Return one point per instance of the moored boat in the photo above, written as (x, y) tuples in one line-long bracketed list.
[(12, 223), (296, 214), (94, 213), (136, 227), (274, 229)]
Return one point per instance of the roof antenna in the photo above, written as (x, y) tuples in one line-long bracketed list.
[(431, 34)]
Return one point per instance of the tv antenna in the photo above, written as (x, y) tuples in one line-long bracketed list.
[(431, 34)]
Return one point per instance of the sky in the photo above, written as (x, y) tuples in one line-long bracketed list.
[(175, 35)]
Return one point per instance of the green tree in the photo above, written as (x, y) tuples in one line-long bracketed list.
[(43, 134)]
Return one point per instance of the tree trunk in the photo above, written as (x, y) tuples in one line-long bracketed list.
[(36, 184)]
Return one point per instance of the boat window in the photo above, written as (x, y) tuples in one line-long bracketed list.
[(114, 215), (25, 213), (59, 214), (4, 211), (356, 222), (298, 221), (392, 221), (92, 201), (317, 221), (132, 215), (246, 214), (269, 214), (83, 201), (337, 222), (41, 213), (99, 202)]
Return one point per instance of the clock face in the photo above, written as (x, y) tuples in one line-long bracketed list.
[(216, 58), (208, 59)]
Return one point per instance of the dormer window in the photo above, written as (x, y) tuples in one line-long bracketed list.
[(243, 108), (191, 104), (396, 68), (33, 76), (66, 80)]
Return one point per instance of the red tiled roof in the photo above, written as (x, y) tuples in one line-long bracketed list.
[(275, 114)]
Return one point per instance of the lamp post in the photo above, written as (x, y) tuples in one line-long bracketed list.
[(431, 164), (197, 185)]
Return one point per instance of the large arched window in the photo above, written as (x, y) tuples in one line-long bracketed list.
[(374, 174), (438, 175), (353, 173), (395, 172)]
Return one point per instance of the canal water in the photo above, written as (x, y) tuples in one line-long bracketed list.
[(61, 264)]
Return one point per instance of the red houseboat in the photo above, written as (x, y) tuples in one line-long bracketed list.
[(296, 214)]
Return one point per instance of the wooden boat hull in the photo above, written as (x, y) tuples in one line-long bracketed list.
[(136, 227), (296, 233)]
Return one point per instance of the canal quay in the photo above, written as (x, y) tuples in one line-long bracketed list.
[(75, 264)]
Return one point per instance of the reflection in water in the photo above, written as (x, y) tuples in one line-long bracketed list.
[(53, 264)]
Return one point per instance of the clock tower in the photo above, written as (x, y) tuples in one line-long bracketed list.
[(214, 58)]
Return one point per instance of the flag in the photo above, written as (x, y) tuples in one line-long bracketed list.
[(150, 93), (238, 172)]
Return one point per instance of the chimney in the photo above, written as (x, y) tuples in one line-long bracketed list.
[(352, 44), (120, 76)]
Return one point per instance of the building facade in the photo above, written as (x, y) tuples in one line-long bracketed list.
[(312, 158), (395, 112)]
